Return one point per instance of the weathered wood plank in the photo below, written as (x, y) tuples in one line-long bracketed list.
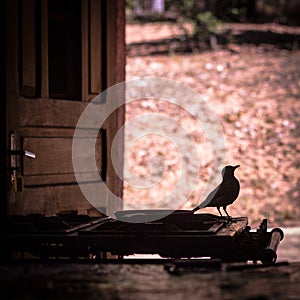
[(235, 228)]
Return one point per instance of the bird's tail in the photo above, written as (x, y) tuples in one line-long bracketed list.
[(206, 201), (201, 205)]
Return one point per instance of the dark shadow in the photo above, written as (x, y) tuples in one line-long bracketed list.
[(185, 44)]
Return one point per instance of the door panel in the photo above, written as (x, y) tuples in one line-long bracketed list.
[(43, 170), (50, 113), (64, 49), (50, 200), (96, 52), (47, 151), (29, 66)]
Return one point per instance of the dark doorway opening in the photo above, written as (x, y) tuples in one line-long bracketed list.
[(64, 30)]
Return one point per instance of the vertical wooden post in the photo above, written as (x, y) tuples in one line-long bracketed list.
[(115, 73), (3, 141), (14, 203)]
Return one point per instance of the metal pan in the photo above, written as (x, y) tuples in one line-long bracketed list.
[(148, 215)]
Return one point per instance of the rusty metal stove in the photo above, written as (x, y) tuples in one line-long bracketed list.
[(181, 234)]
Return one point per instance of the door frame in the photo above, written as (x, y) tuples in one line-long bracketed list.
[(3, 133)]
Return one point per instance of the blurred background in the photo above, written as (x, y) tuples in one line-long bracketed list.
[(243, 58)]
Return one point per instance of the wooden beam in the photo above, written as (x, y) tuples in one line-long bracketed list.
[(115, 72), (120, 77)]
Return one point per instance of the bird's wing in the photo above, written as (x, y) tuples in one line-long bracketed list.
[(214, 193), (223, 193), (223, 196)]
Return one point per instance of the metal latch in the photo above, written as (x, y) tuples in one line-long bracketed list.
[(23, 153), (17, 178)]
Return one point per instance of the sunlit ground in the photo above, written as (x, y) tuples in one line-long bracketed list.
[(254, 91)]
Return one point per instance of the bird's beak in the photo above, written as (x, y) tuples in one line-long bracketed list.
[(236, 166)]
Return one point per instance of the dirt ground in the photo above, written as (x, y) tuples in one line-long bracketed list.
[(254, 91), (146, 281)]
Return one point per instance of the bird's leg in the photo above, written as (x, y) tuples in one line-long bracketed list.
[(229, 218), (218, 208)]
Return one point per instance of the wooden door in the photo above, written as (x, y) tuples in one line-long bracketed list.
[(60, 54)]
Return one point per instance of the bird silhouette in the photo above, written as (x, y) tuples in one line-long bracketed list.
[(224, 194)]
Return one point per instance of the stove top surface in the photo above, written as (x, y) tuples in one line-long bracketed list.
[(176, 235)]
